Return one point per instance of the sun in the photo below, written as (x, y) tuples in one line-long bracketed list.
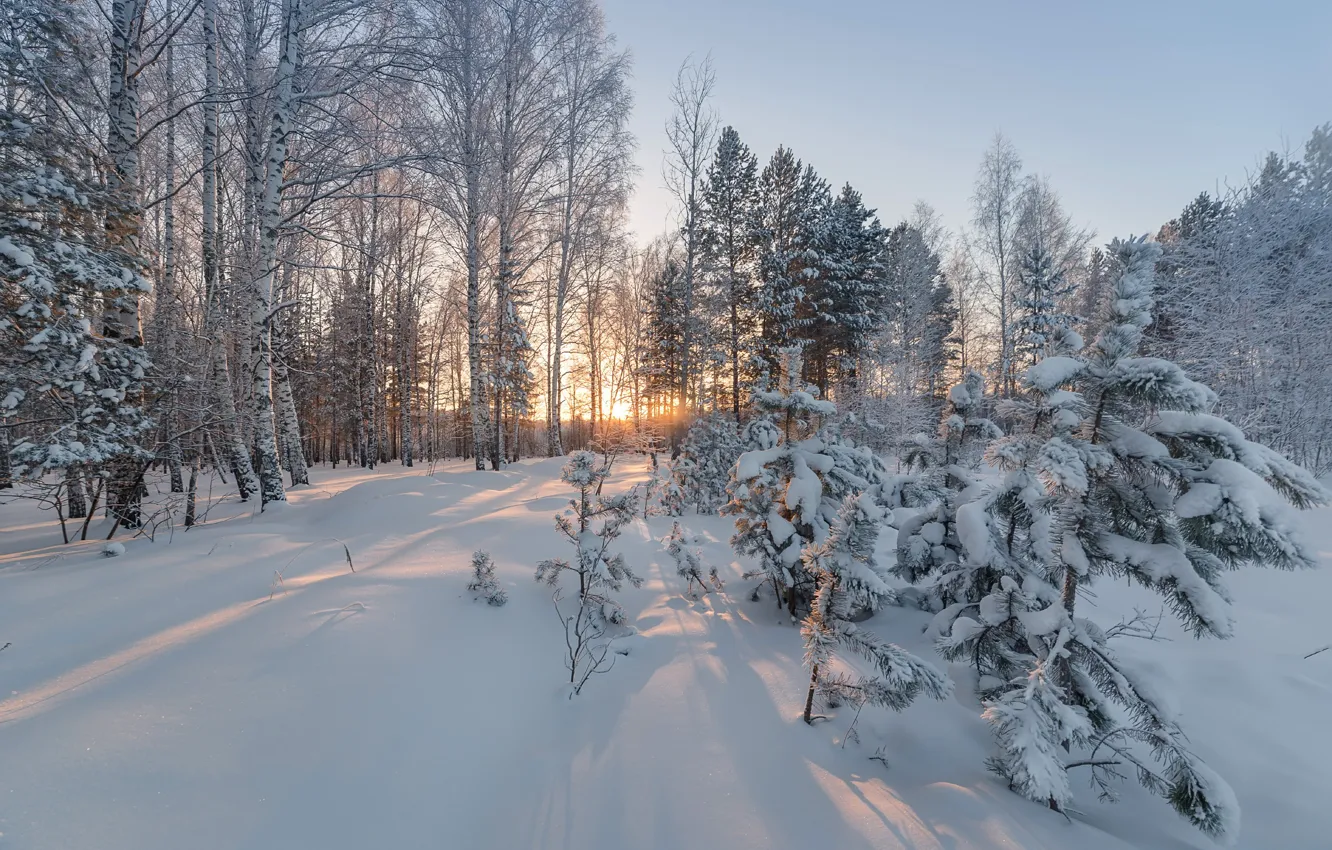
[(620, 410)]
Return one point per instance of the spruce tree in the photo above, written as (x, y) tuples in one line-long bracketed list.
[(1118, 470), (69, 393), (787, 489), (848, 580), (730, 240), (1042, 326), (702, 470)]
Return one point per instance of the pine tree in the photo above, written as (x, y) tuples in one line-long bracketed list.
[(913, 338), (787, 488), (848, 581), (688, 562), (69, 393), (730, 233), (1035, 728), (843, 301), (791, 200), (663, 348), (708, 454), (484, 582), (591, 524), (1120, 472), (927, 542), (1041, 326)]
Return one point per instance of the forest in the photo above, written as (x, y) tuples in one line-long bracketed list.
[(245, 240)]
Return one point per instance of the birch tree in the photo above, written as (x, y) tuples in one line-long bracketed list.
[(690, 134)]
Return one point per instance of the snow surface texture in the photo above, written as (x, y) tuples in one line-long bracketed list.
[(162, 700)]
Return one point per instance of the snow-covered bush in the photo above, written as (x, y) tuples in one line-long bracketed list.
[(927, 544), (591, 523), (845, 574), (787, 488), (1032, 722), (113, 550), (483, 582), (707, 456), (688, 562), (1115, 468)]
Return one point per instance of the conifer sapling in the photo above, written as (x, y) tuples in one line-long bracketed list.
[(591, 523), (484, 582), (688, 562), (844, 569)]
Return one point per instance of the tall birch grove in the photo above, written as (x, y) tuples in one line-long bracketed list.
[(329, 232)]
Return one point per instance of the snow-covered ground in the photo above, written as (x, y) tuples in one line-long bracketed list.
[(162, 699)]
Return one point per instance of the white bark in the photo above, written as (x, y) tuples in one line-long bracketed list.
[(121, 319), (270, 215), (233, 446)]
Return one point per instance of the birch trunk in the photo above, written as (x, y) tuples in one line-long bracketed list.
[(290, 427), (215, 320), (270, 209), (167, 300), (124, 223)]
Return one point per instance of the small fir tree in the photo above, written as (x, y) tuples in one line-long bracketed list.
[(483, 582), (1116, 469), (845, 574), (787, 488), (688, 562), (592, 523)]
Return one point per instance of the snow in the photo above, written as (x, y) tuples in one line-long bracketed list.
[(162, 700), (1161, 563), (1053, 372)]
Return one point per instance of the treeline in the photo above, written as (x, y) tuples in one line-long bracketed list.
[(252, 235)]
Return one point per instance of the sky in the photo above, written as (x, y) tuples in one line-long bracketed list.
[(1130, 108)]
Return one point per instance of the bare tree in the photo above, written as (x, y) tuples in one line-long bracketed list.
[(996, 213), (690, 134)]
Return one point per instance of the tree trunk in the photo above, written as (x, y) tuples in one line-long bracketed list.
[(78, 501), (219, 378), (809, 696), (289, 424), (124, 223), (284, 103)]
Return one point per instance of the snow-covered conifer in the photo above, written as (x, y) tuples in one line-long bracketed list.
[(1115, 468), (688, 562), (1042, 324), (483, 582), (927, 544), (591, 523), (69, 387), (848, 580), (787, 489), (707, 456), (1036, 728)]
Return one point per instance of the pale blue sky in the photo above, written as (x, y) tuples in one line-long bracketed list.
[(1129, 107)]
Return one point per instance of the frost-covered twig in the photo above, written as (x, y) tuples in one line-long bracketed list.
[(1140, 625)]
